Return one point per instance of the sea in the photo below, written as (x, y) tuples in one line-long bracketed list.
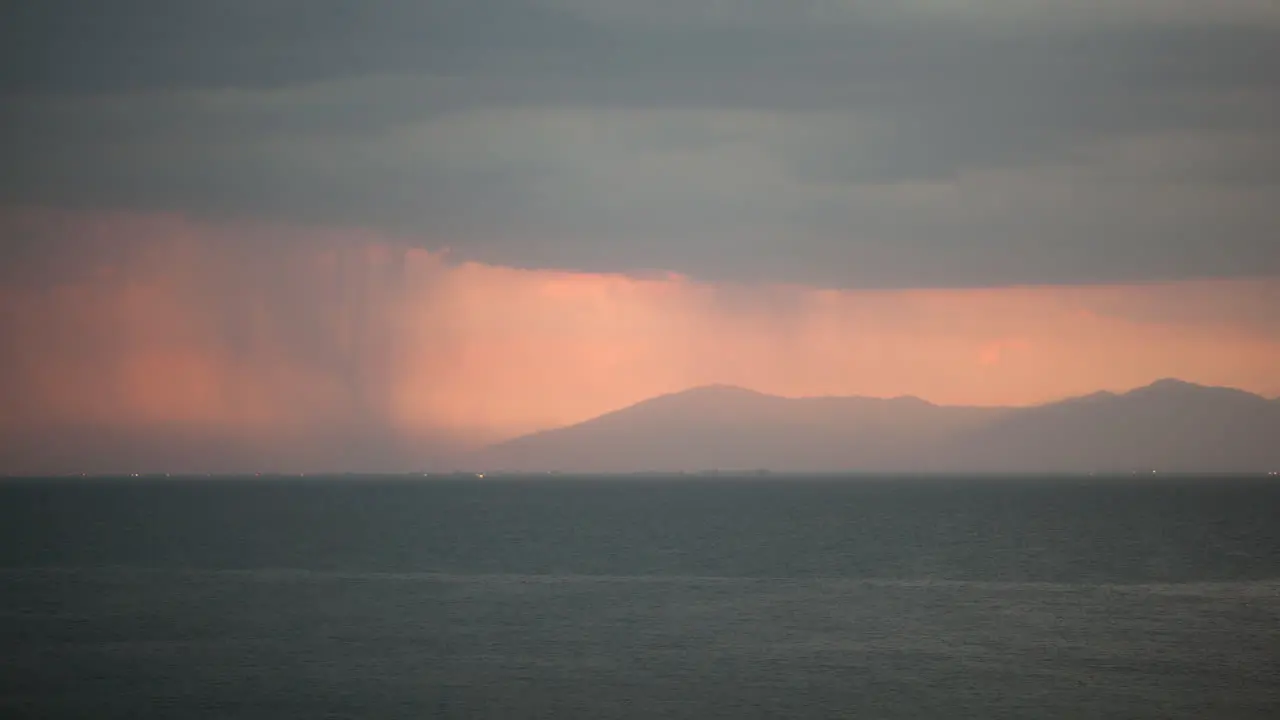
[(641, 597)]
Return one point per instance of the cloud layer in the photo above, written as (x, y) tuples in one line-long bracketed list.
[(842, 144)]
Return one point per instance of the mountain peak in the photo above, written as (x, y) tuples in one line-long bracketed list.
[(911, 400), (718, 389), (1174, 386), (1170, 383), (714, 393)]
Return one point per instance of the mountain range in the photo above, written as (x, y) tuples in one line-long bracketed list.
[(1168, 426)]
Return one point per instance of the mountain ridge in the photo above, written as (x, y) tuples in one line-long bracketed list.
[(1169, 424)]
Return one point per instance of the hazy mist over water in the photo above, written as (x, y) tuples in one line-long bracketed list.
[(697, 598)]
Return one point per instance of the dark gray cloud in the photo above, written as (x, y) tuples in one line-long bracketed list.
[(69, 46), (836, 142)]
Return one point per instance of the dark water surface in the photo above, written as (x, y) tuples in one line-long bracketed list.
[(613, 598)]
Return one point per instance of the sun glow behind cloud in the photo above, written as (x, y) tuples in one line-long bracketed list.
[(296, 341)]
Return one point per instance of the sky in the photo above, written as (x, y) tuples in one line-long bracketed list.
[(316, 234)]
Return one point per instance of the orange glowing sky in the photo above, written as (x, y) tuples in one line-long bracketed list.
[(188, 330)]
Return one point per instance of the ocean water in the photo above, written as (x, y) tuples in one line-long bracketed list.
[(639, 598)]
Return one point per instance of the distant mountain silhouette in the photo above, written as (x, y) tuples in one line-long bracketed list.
[(1170, 426)]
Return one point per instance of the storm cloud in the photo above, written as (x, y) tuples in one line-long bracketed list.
[(844, 144)]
